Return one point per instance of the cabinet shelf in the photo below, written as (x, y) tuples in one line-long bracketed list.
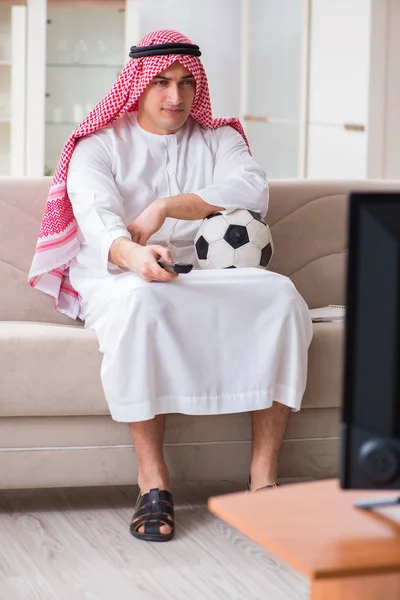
[(83, 66), (5, 63), (5, 120), (65, 123)]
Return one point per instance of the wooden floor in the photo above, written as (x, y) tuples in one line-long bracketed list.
[(74, 544)]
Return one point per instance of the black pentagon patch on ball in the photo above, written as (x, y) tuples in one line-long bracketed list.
[(213, 215), (231, 267), (256, 216), (266, 255), (202, 248), (236, 236)]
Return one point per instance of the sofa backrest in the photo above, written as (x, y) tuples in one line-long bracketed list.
[(307, 219), (22, 202)]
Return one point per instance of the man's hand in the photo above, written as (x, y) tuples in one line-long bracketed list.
[(148, 222), (141, 259)]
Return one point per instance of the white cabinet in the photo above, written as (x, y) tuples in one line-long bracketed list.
[(75, 52), (335, 152), (274, 58), (339, 61), (384, 101), (272, 105), (82, 64), (12, 89), (307, 86), (295, 71), (338, 89)]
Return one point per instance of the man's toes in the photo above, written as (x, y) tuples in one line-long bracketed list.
[(164, 529)]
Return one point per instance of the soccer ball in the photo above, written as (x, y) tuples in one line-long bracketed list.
[(237, 239)]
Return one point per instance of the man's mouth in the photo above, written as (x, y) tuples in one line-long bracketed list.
[(173, 111)]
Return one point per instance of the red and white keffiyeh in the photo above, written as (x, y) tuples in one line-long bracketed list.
[(58, 239)]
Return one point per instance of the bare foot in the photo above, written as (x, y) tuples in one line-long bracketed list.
[(261, 476)]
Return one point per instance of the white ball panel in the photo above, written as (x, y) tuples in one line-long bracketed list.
[(214, 229), (205, 264), (239, 216), (247, 256), (258, 233), (221, 254)]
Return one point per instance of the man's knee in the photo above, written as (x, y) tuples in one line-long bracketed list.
[(287, 294)]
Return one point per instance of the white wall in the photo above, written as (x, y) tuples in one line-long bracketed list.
[(384, 94), (215, 26)]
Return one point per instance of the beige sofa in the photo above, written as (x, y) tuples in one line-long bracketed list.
[(55, 428)]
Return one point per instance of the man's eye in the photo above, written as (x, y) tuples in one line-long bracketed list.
[(189, 81), (161, 82)]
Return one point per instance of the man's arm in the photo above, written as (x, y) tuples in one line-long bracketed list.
[(96, 201), (99, 211), (188, 207), (238, 180)]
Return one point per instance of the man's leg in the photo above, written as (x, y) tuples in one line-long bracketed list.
[(269, 426), (148, 439)]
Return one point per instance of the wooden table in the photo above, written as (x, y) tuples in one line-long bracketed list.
[(348, 553)]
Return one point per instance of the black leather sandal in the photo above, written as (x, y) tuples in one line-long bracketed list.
[(153, 510)]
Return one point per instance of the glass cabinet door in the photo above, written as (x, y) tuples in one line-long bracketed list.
[(74, 53), (12, 88), (338, 92), (84, 55), (273, 86)]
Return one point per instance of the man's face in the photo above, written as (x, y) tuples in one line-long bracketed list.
[(165, 104)]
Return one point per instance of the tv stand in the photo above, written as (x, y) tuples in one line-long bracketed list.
[(346, 553)]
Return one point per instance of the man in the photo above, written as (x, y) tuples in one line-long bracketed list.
[(150, 165)]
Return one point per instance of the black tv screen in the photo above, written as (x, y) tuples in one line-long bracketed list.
[(370, 435)]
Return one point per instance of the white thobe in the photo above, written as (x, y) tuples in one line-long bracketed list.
[(211, 341)]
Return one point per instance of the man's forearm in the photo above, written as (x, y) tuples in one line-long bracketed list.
[(188, 207), (119, 250)]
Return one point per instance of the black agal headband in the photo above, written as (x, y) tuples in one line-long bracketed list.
[(161, 49)]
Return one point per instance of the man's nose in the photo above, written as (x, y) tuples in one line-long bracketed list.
[(175, 94)]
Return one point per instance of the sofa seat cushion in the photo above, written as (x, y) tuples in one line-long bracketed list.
[(49, 369)]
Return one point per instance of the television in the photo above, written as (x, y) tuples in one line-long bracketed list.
[(370, 418)]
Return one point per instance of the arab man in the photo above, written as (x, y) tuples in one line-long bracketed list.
[(134, 182)]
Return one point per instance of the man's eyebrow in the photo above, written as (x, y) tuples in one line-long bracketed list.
[(170, 78)]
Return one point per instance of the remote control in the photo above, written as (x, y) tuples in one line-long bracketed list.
[(176, 267)]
